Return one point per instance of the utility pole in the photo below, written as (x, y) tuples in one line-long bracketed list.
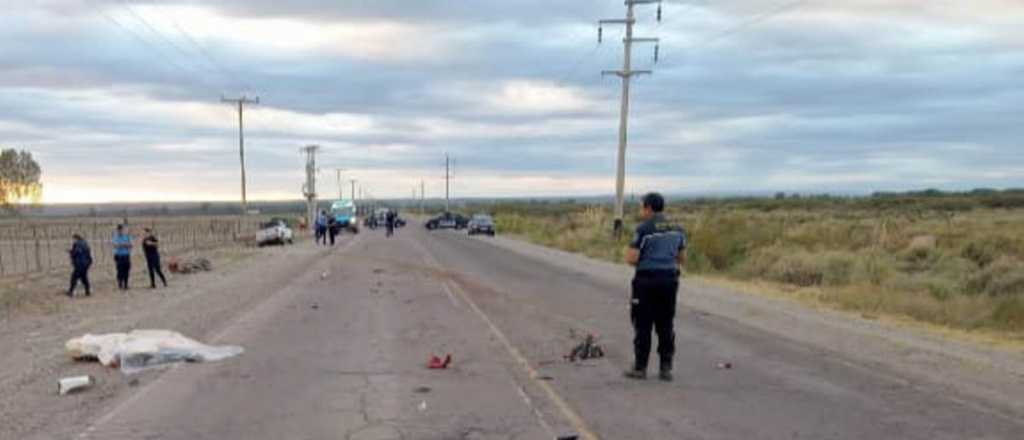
[(309, 189), (341, 195), (447, 183), (626, 74), (353, 181), (240, 102)]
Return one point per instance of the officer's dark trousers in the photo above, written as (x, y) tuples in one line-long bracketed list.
[(124, 269), (153, 265), (654, 307), (80, 273), (332, 232)]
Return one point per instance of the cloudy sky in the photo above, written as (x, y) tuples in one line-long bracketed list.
[(119, 100)]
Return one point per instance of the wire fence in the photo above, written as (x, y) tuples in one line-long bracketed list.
[(41, 245)]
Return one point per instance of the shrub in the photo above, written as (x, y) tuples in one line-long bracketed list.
[(1004, 276), (799, 269), (1009, 314), (986, 250)]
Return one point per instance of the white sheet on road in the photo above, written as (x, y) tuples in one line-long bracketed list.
[(143, 349)]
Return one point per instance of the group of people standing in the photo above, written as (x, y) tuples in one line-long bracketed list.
[(326, 226), (122, 243)]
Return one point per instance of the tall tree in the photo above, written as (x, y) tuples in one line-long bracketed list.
[(19, 179)]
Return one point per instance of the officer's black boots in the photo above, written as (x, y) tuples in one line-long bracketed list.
[(635, 374), (665, 373)]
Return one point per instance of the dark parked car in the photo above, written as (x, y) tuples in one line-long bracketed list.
[(447, 220), (481, 224)]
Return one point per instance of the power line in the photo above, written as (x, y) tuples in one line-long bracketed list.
[(152, 29), (754, 20), (139, 38), (227, 73)]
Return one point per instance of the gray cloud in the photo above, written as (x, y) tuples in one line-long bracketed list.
[(860, 96)]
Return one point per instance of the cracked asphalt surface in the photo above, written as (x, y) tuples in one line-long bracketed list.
[(340, 353)]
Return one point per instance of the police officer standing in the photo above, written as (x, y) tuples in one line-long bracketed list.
[(122, 243), (81, 259), (150, 246), (658, 250)]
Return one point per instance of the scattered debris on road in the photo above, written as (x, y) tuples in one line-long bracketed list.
[(437, 363), (724, 365), (315, 306), (568, 437), (323, 276), (193, 265), (69, 385), (423, 405), (545, 378), (588, 349), (144, 349), (421, 390)]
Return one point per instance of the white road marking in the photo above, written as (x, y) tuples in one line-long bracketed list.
[(570, 414), (451, 296)]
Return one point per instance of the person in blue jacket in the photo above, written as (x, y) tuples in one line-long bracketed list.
[(81, 259), (122, 243)]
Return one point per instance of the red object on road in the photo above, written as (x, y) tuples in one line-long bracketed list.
[(437, 363)]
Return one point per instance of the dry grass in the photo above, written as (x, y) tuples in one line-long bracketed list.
[(957, 269)]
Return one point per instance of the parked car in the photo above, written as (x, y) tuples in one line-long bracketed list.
[(447, 220), (481, 224), (275, 231)]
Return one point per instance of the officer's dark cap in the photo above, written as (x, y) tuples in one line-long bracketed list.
[(654, 201)]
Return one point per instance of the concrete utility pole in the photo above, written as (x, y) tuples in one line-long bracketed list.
[(240, 102), (626, 74), (309, 189), (353, 181), (447, 183), (341, 194)]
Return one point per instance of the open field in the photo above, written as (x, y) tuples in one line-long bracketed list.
[(951, 260)]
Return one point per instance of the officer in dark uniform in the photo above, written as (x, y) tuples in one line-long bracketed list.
[(658, 251), (81, 259)]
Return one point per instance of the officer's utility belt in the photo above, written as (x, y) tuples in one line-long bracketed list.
[(661, 273)]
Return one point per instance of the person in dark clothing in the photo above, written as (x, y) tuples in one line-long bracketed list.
[(658, 251), (333, 228), (390, 222), (122, 243), (321, 227), (150, 247), (81, 259)]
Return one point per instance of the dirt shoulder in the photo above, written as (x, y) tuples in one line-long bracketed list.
[(198, 305), (994, 373)]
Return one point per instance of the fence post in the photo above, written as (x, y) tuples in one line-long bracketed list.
[(38, 256)]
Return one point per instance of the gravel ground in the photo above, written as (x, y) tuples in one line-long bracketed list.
[(198, 305)]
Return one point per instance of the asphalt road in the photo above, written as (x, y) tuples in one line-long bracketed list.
[(340, 353)]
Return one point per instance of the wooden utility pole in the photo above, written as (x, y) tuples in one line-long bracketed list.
[(240, 102)]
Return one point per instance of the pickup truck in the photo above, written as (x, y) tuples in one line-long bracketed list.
[(275, 231)]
